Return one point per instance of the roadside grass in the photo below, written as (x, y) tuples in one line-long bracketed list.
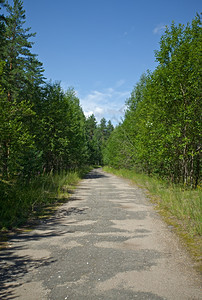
[(180, 207), (22, 201)]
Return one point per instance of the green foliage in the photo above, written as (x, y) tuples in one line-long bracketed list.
[(21, 66), (117, 152), (2, 30), (15, 137), (97, 136), (92, 141), (161, 131), (20, 70), (59, 128)]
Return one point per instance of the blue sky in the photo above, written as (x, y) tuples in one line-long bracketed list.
[(101, 47)]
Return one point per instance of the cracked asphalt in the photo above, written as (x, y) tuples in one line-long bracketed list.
[(107, 242)]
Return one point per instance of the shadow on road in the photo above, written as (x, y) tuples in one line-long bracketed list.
[(14, 266), (94, 175)]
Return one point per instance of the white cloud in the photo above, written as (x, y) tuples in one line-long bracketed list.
[(109, 103), (159, 29), (99, 110), (88, 113)]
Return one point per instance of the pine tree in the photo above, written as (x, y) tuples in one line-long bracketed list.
[(21, 65), (109, 129), (21, 71)]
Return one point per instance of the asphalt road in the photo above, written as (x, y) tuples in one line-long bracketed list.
[(107, 242)]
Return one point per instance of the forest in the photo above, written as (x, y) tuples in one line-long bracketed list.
[(161, 131), (44, 132), (43, 129)]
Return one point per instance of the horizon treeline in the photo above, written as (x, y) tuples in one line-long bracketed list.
[(161, 131), (43, 127)]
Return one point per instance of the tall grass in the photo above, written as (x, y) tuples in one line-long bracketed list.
[(21, 200), (174, 201)]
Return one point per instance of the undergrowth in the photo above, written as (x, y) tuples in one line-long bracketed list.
[(20, 200)]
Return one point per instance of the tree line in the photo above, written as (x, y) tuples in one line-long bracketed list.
[(43, 127), (161, 130)]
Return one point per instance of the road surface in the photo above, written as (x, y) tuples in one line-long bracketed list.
[(107, 242)]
